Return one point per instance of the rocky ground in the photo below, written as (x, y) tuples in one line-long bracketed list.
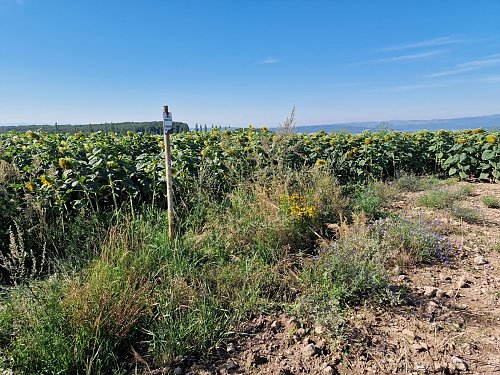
[(449, 324)]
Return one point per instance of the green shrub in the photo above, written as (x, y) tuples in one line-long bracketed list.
[(278, 214), (465, 191), (410, 240), (469, 215), (490, 201), (413, 183), (373, 198), (436, 199)]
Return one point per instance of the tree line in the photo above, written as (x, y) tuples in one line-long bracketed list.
[(150, 127)]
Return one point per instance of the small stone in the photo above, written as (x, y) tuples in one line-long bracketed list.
[(231, 365), (230, 348), (300, 332), (178, 371), (275, 325), (480, 260), (430, 291), (459, 363), (420, 368), (432, 306), (321, 344), (441, 293), (319, 330), (409, 334), (463, 283), (309, 350), (328, 370)]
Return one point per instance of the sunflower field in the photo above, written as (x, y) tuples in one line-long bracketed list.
[(106, 170)]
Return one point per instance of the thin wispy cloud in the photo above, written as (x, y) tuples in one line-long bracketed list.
[(484, 62), (414, 56), (268, 60), (441, 41), (489, 79), (404, 88)]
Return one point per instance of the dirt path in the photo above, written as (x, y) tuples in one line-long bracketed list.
[(450, 324)]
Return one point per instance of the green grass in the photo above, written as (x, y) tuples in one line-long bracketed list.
[(373, 198), (253, 249), (465, 191), (490, 201), (467, 214), (436, 199), (413, 183)]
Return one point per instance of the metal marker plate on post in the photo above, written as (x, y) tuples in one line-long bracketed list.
[(167, 122)]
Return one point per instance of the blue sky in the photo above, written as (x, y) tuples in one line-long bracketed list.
[(245, 62)]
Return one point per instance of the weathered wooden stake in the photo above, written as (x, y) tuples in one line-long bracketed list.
[(167, 128)]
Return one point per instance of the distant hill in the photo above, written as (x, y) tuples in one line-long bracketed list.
[(486, 122)]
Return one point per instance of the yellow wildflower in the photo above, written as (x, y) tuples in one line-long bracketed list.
[(45, 181), (29, 186), (491, 138), (32, 135), (320, 162), (64, 163)]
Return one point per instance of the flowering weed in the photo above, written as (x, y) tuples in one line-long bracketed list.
[(409, 240)]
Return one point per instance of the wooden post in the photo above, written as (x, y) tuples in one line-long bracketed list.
[(167, 128)]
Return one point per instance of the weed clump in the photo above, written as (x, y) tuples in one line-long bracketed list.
[(411, 240), (490, 201), (373, 198), (436, 199)]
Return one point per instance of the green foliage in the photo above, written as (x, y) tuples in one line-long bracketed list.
[(469, 215), (490, 201), (252, 206), (103, 170), (413, 183), (348, 272), (167, 298), (373, 198), (279, 214), (465, 191), (436, 199), (410, 240), (474, 154)]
